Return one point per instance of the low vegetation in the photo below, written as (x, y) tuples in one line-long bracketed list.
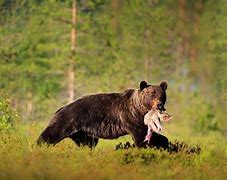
[(20, 157)]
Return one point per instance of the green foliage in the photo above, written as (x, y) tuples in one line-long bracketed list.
[(202, 115), (206, 118), (8, 117)]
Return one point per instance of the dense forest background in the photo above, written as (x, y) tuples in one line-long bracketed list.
[(118, 43)]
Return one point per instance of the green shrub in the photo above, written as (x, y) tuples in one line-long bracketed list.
[(207, 119), (204, 114), (8, 116)]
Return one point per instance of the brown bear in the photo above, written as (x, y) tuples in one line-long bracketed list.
[(107, 116)]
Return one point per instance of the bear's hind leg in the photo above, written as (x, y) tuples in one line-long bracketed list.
[(49, 136), (82, 139), (54, 133)]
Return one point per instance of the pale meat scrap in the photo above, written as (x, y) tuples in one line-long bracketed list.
[(153, 120)]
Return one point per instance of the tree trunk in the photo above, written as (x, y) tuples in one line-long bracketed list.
[(181, 27), (193, 49), (71, 71), (146, 55)]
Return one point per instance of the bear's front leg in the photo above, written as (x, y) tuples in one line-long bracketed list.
[(139, 136), (157, 140)]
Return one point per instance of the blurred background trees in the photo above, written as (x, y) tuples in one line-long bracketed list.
[(118, 43)]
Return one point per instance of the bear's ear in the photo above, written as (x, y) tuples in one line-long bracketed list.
[(163, 85), (143, 84)]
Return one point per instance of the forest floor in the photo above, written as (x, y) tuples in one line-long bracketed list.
[(20, 158)]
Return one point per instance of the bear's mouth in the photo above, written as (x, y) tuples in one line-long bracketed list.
[(161, 107), (157, 104)]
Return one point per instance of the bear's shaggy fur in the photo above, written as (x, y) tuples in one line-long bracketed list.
[(107, 116)]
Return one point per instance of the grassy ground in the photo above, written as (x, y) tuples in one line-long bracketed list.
[(20, 158)]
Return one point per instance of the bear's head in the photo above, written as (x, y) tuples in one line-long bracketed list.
[(153, 96)]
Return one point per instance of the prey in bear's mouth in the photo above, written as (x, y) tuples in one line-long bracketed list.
[(153, 120)]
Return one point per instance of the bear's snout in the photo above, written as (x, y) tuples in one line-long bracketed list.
[(156, 104), (160, 106)]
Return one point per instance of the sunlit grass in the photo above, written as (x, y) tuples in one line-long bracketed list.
[(20, 158)]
